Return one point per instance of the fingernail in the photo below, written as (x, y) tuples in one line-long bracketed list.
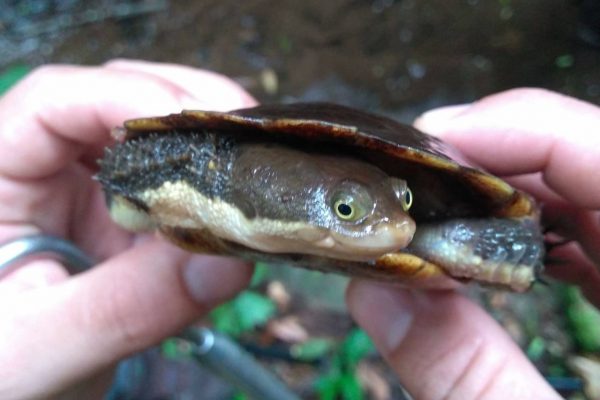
[(211, 279), (385, 312), (436, 120)]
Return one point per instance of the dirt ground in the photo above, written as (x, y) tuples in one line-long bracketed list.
[(401, 56)]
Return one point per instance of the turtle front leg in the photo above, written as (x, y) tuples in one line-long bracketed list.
[(504, 252)]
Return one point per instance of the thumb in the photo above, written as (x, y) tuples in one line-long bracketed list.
[(443, 346), (87, 323)]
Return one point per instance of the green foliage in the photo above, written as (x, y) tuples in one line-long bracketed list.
[(244, 313), (261, 273), (355, 347), (337, 384), (564, 61), (170, 349), (340, 381), (247, 311), (536, 348), (239, 396), (177, 349), (327, 386), (12, 76), (584, 320), (312, 350)]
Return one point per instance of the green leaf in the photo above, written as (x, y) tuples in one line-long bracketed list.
[(328, 387), (350, 387), (169, 348), (11, 76), (239, 396), (312, 349), (356, 346), (536, 348), (175, 349), (564, 61), (224, 319), (584, 320), (341, 382), (244, 313), (254, 309), (261, 272)]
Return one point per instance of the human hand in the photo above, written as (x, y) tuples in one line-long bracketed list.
[(440, 343), (62, 334)]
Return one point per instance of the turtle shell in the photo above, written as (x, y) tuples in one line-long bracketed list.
[(447, 187)]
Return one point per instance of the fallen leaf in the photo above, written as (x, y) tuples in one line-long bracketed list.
[(589, 370), (373, 382), (288, 329), (278, 293)]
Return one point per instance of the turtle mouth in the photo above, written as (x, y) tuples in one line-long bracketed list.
[(384, 238)]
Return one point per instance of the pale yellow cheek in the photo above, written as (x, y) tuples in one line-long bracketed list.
[(128, 216), (177, 204)]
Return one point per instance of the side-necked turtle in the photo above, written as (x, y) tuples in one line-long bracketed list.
[(322, 186)]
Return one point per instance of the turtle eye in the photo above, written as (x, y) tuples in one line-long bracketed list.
[(407, 199), (351, 204), (345, 209), (402, 192)]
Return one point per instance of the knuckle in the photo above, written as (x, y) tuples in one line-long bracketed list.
[(529, 94), (44, 77), (44, 72), (116, 63)]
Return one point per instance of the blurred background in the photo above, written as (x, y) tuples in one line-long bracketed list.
[(398, 57)]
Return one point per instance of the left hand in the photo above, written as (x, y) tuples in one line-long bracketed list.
[(61, 335)]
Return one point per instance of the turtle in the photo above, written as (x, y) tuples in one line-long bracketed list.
[(322, 186)]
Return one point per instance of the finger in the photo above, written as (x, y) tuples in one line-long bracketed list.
[(572, 265), (582, 226), (37, 274), (66, 204), (51, 116), (562, 217), (529, 130), (534, 185), (219, 92), (122, 306), (576, 263), (442, 346)]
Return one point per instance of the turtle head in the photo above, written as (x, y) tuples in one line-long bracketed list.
[(368, 220)]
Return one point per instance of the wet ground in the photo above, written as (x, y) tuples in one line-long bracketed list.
[(396, 56), (401, 56)]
